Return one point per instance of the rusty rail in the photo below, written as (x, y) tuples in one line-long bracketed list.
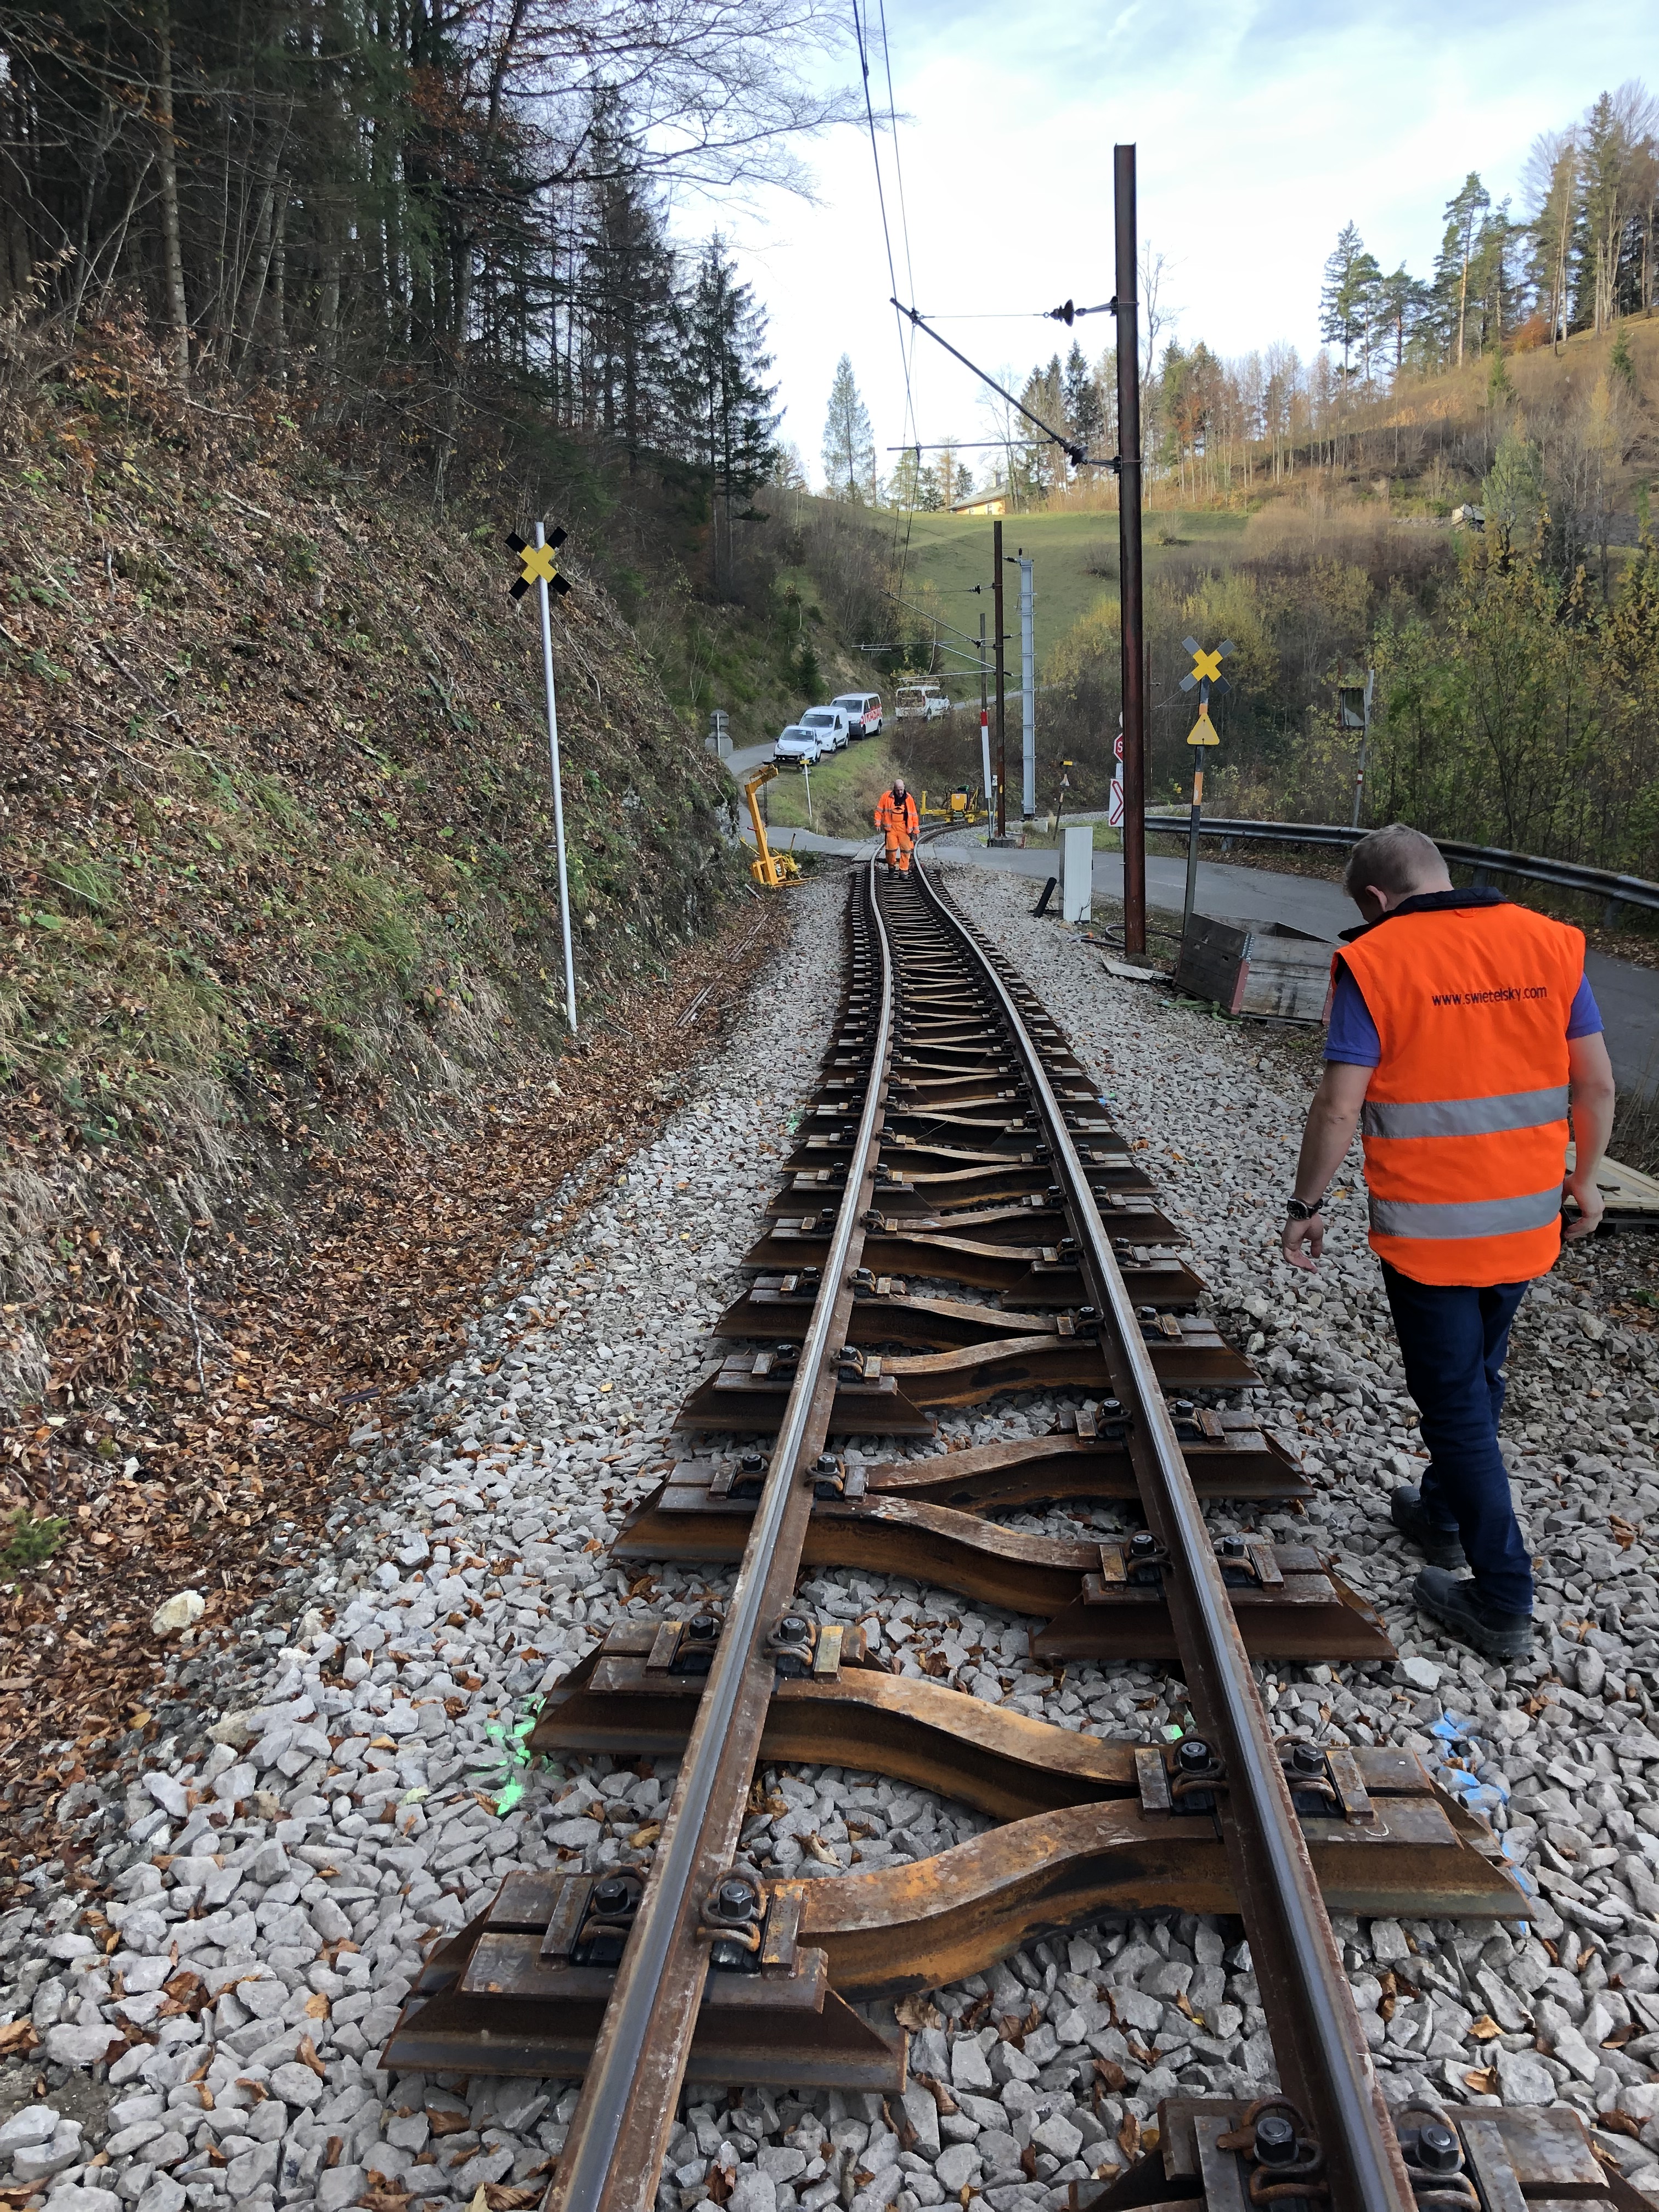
[(960, 1139), (1323, 2058)]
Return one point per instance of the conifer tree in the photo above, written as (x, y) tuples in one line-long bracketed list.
[(849, 444)]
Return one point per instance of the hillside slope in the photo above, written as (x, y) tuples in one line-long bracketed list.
[(283, 1070)]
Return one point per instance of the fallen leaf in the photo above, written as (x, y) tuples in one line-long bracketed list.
[(17, 2035), (1619, 2124), (649, 1834), (449, 2124), (916, 2012), (1128, 2138), (817, 1849), (1485, 2028), (1483, 2080)]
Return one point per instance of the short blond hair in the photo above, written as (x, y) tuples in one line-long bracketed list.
[(1398, 860)]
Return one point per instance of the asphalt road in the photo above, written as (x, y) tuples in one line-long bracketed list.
[(1627, 996)]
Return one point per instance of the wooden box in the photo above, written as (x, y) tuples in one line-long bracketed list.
[(1259, 968)]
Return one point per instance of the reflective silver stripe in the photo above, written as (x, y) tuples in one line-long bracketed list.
[(1480, 1217), (1467, 1117)]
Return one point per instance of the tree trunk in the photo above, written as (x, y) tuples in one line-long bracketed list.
[(172, 258)]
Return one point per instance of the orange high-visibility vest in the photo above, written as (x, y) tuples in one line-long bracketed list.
[(896, 815), (1465, 1123)]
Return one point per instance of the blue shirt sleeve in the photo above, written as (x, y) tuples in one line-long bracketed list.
[(1585, 1019), (1352, 1038)]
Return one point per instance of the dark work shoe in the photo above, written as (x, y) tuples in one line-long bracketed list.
[(1466, 1619), (1441, 1547)]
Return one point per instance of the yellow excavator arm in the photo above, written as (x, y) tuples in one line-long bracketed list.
[(772, 869)]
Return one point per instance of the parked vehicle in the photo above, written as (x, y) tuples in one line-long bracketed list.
[(920, 703), (863, 712), (796, 745), (830, 726)]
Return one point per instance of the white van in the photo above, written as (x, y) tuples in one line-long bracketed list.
[(863, 712), (920, 703)]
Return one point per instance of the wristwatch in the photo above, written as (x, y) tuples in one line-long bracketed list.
[(1296, 1209)]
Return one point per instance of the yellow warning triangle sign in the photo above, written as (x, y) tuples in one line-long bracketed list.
[(1203, 729)]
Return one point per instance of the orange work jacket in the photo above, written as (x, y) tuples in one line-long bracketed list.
[(897, 816), (1465, 1123)]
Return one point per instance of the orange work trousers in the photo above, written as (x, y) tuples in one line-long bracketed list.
[(900, 844)]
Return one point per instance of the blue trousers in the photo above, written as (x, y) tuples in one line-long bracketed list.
[(1454, 1341)]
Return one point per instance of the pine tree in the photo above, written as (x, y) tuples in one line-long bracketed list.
[(1451, 268), (1350, 304), (849, 444)]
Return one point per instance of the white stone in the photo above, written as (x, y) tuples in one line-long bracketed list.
[(1422, 1674), (183, 1610), (32, 2123)]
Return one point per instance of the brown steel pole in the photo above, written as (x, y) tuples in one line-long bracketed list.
[(1128, 555), (1002, 673)]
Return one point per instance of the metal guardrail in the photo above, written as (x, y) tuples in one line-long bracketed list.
[(1565, 875)]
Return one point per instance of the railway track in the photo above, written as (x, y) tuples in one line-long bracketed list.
[(959, 1220)]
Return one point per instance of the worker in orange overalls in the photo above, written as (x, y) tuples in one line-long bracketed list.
[(896, 819)]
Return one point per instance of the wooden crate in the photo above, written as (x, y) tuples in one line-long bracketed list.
[(1262, 967)]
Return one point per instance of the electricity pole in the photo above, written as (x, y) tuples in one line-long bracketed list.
[(1128, 550), (1028, 683), (1002, 680), (984, 720)]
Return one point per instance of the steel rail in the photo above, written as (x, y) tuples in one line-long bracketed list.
[(1323, 2060), (585, 2177)]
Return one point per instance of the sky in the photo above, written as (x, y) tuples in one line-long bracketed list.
[(1261, 130)]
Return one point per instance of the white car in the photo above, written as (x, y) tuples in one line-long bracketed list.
[(796, 745), (830, 726), (863, 712)]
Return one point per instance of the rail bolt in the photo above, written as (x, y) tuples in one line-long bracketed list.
[(703, 1628), (1142, 1544), (612, 1896), (1307, 1759), (1437, 2148), (1192, 1756), (737, 1898), (792, 1629), (1275, 2140)]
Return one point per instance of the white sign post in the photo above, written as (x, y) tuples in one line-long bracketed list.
[(541, 596), (1077, 871)]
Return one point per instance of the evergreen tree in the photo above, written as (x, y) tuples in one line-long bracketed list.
[(849, 444), (1451, 269), (1513, 495), (724, 405), (1085, 410), (1350, 304)]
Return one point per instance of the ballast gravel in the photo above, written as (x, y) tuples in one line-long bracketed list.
[(266, 1891)]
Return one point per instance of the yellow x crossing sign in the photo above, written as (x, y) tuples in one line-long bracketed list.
[(1207, 664), (537, 564)]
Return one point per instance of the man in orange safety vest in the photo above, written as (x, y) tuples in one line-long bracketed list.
[(896, 819), (1465, 1042)]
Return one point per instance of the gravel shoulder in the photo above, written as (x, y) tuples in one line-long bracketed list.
[(209, 2003)]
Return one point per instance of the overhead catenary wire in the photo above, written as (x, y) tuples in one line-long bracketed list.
[(906, 343)]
